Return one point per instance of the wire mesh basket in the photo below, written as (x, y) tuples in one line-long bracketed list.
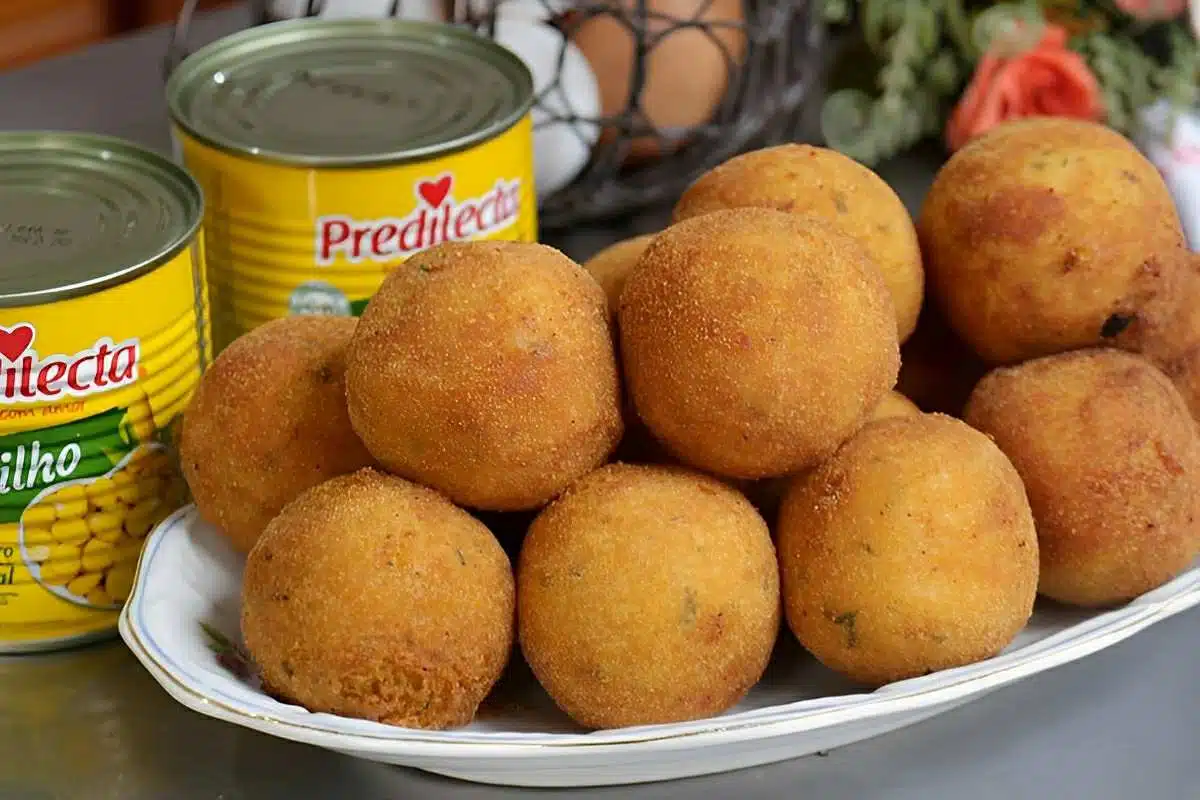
[(629, 155)]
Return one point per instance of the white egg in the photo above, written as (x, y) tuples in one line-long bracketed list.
[(429, 10), (561, 147), (517, 9)]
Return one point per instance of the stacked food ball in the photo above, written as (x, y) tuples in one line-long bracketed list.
[(759, 339)]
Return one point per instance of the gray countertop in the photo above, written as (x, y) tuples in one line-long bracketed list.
[(90, 724)]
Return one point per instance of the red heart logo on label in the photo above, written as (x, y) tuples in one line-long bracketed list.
[(434, 192), (14, 341)]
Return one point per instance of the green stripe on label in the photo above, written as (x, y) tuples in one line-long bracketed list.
[(31, 461)]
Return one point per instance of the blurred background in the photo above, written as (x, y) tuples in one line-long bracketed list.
[(34, 29)]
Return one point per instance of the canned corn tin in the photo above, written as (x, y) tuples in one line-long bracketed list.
[(103, 336), (331, 150)]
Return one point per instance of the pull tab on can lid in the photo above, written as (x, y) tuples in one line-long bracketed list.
[(80, 212), (349, 92)]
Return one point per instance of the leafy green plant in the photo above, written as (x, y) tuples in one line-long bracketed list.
[(926, 52)]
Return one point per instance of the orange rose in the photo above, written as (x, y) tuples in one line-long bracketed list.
[(1046, 80)]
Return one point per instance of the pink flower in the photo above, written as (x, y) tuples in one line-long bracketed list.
[(1046, 80), (1152, 9)]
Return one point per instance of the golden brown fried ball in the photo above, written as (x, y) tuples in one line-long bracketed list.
[(1166, 330), (894, 404), (814, 180), (487, 371), (1038, 232), (1111, 460), (372, 597), (638, 445), (937, 370), (767, 494), (647, 595), (268, 421), (612, 265), (754, 342), (911, 550)]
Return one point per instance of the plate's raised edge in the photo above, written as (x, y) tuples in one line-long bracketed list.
[(891, 700), (718, 735)]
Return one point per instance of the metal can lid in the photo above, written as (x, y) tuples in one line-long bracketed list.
[(349, 92), (81, 212)]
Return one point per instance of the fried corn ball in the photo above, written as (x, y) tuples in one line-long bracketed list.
[(1166, 330), (894, 404), (487, 371), (1038, 232), (911, 550), (612, 265), (815, 180), (937, 369), (767, 494), (372, 597), (638, 445), (268, 421), (647, 595), (754, 342), (1110, 458)]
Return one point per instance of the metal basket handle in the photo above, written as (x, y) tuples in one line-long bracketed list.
[(177, 44)]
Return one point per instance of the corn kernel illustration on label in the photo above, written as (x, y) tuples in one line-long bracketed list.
[(80, 533), (104, 331), (87, 464)]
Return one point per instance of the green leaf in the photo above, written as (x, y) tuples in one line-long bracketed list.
[(836, 12), (1001, 21), (217, 641), (228, 654), (959, 28), (875, 14), (943, 73)]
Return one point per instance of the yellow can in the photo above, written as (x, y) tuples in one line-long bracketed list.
[(103, 335), (331, 150)]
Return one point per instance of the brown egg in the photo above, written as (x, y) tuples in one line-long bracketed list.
[(686, 71)]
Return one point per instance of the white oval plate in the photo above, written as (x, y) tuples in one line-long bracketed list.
[(189, 577)]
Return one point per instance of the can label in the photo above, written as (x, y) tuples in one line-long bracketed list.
[(283, 240), (437, 217), (91, 393), (25, 377)]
